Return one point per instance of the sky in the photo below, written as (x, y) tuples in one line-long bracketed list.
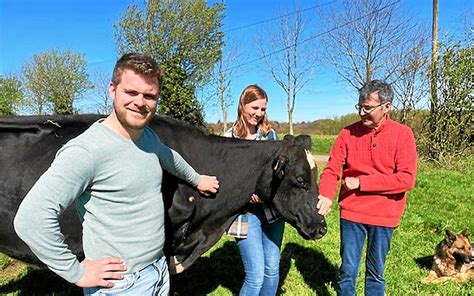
[(28, 27)]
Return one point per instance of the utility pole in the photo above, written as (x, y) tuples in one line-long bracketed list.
[(434, 74)]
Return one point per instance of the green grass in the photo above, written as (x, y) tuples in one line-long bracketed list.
[(322, 144), (4, 261), (441, 199)]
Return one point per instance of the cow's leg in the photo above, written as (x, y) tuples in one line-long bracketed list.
[(201, 240), (206, 238)]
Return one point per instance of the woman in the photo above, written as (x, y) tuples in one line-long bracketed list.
[(258, 232)]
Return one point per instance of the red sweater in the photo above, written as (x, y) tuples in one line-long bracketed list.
[(385, 162)]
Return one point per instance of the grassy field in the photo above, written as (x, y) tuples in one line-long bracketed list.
[(321, 143), (441, 199)]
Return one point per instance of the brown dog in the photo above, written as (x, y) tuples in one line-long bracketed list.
[(452, 260)]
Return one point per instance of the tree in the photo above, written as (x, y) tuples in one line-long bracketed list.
[(54, 80), (180, 102), (450, 118), (11, 95), (410, 86), (186, 32), (366, 39), (101, 87), (224, 72), (291, 66)]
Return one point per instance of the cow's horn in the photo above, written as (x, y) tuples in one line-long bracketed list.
[(310, 158)]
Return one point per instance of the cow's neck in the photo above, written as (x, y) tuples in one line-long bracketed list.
[(256, 167)]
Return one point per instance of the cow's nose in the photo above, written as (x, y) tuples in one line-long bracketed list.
[(322, 231)]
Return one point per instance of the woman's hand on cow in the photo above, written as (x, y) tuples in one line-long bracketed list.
[(97, 271), (324, 205), (208, 185), (255, 199)]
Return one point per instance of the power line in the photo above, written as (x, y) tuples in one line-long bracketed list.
[(312, 37), (249, 25), (278, 17)]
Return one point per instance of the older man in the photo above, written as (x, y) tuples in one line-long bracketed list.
[(379, 161)]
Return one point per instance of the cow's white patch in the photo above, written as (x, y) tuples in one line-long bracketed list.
[(175, 266)]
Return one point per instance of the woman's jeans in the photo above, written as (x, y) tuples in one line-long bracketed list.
[(151, 280), (352, 241), (260, 253)]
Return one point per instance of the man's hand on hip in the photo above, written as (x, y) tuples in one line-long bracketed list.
[(98, 272)]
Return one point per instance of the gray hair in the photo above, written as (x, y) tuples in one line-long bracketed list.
[(383, 89)]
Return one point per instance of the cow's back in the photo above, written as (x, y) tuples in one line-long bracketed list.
[(28, 146)]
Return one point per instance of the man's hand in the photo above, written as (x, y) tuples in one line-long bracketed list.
[(97, 271), (351, 183), (324, 205), (255, 199), (208, 185)]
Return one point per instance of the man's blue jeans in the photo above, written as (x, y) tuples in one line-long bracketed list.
[(260, 253), (352, 241), (152, 280)]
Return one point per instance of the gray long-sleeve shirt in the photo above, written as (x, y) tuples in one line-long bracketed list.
[(116, 184)]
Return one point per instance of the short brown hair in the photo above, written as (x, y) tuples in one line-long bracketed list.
[(140, 63), (251, 93)]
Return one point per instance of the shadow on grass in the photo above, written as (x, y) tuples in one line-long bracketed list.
[(424, 262), (222, 268), (314, 267), (41, 281)]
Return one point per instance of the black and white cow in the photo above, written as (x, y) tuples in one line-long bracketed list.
[(278, 171)]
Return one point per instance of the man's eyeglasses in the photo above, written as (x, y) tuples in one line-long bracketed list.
[(367, 109)]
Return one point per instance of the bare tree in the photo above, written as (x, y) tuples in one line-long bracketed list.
[(224, 73), (101, 82), (410, 85), (366, 39), (288, 55)]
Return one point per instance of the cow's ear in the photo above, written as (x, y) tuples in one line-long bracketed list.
[(289, 138), (305, 141), (278, 167)]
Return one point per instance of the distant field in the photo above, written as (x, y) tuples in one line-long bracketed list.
[(442, 199), (321, 143)]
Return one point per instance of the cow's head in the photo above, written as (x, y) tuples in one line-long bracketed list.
[(291, 188)]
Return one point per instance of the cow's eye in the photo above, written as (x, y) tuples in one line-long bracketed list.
[(301, 183)]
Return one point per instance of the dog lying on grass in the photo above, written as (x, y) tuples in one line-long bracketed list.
[(453, 259)]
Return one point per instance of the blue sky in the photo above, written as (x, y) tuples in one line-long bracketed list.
[(32, 26)]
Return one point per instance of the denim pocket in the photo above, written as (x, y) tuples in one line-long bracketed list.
[(119, 286), (160, 265), (162, 286)]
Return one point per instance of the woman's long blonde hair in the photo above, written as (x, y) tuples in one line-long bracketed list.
[(251, 93)]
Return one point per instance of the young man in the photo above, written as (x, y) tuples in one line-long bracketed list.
[(378, 159), (113, 171)]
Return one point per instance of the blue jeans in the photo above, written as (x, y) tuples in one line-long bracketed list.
[(260, 253), (151, 280), (352, 241)]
